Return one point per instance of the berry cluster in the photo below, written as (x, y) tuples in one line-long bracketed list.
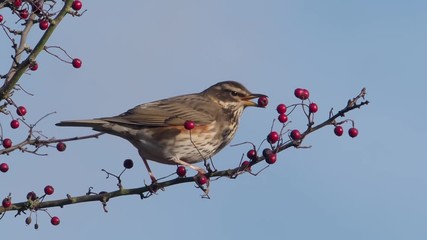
[(42, 15), (352, 132), (269, 155), (15, 123), (304, 94), (29, 14), (33, 200), (253, 158), (7, 143), (275, 138), (281, 110)]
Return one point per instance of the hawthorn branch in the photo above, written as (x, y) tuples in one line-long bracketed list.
[(34, 137), (102, 197), (37, 143), (3, 3), (21, 48), (351, 105), (147, 191)]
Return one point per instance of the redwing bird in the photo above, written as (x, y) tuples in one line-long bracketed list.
[(157, 130)]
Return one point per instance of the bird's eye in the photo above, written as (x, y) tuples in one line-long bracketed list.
[(234, 93)]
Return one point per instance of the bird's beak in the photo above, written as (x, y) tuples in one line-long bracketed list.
[(247, 100)]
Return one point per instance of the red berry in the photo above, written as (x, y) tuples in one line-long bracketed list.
[(55, 220), (77, 5), (77, 63), (4, 167), (189, 124), (273, 137), (305, 94), (34, 67), (14, 124), (283, 118), (313, 107), (281, 108), (31, 196), (21, 111), (1, 18), (271, 159), (246, 165), (302, 93), (252, 154), (61, 146), (295, 134), (298, 93), (6, 202), (202, 179), (181, 171), (128, 163), (338, 130), (49, 190), (353, 132), (262, 101), (43, 24), (17, 3), (7, 143), (269, 155), (24, 14), (266, 152)]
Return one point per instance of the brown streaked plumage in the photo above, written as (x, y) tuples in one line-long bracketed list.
[(157, 130)]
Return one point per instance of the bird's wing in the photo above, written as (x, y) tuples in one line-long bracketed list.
[(168, 112)]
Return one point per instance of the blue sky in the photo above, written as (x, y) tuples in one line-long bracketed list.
[(369, 187)]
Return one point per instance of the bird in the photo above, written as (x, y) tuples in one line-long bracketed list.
[(156, 129)]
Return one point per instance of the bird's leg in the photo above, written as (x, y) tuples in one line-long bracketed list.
[(153, 179), (153, 187)]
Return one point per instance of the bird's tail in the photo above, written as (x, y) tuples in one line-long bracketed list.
[(93, 123)]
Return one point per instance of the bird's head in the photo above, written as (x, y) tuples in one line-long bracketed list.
[(232, 95)]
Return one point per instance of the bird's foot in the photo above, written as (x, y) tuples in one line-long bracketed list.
[(208, 166), (154, 186)]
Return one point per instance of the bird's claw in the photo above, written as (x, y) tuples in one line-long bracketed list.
[(154, 186)]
